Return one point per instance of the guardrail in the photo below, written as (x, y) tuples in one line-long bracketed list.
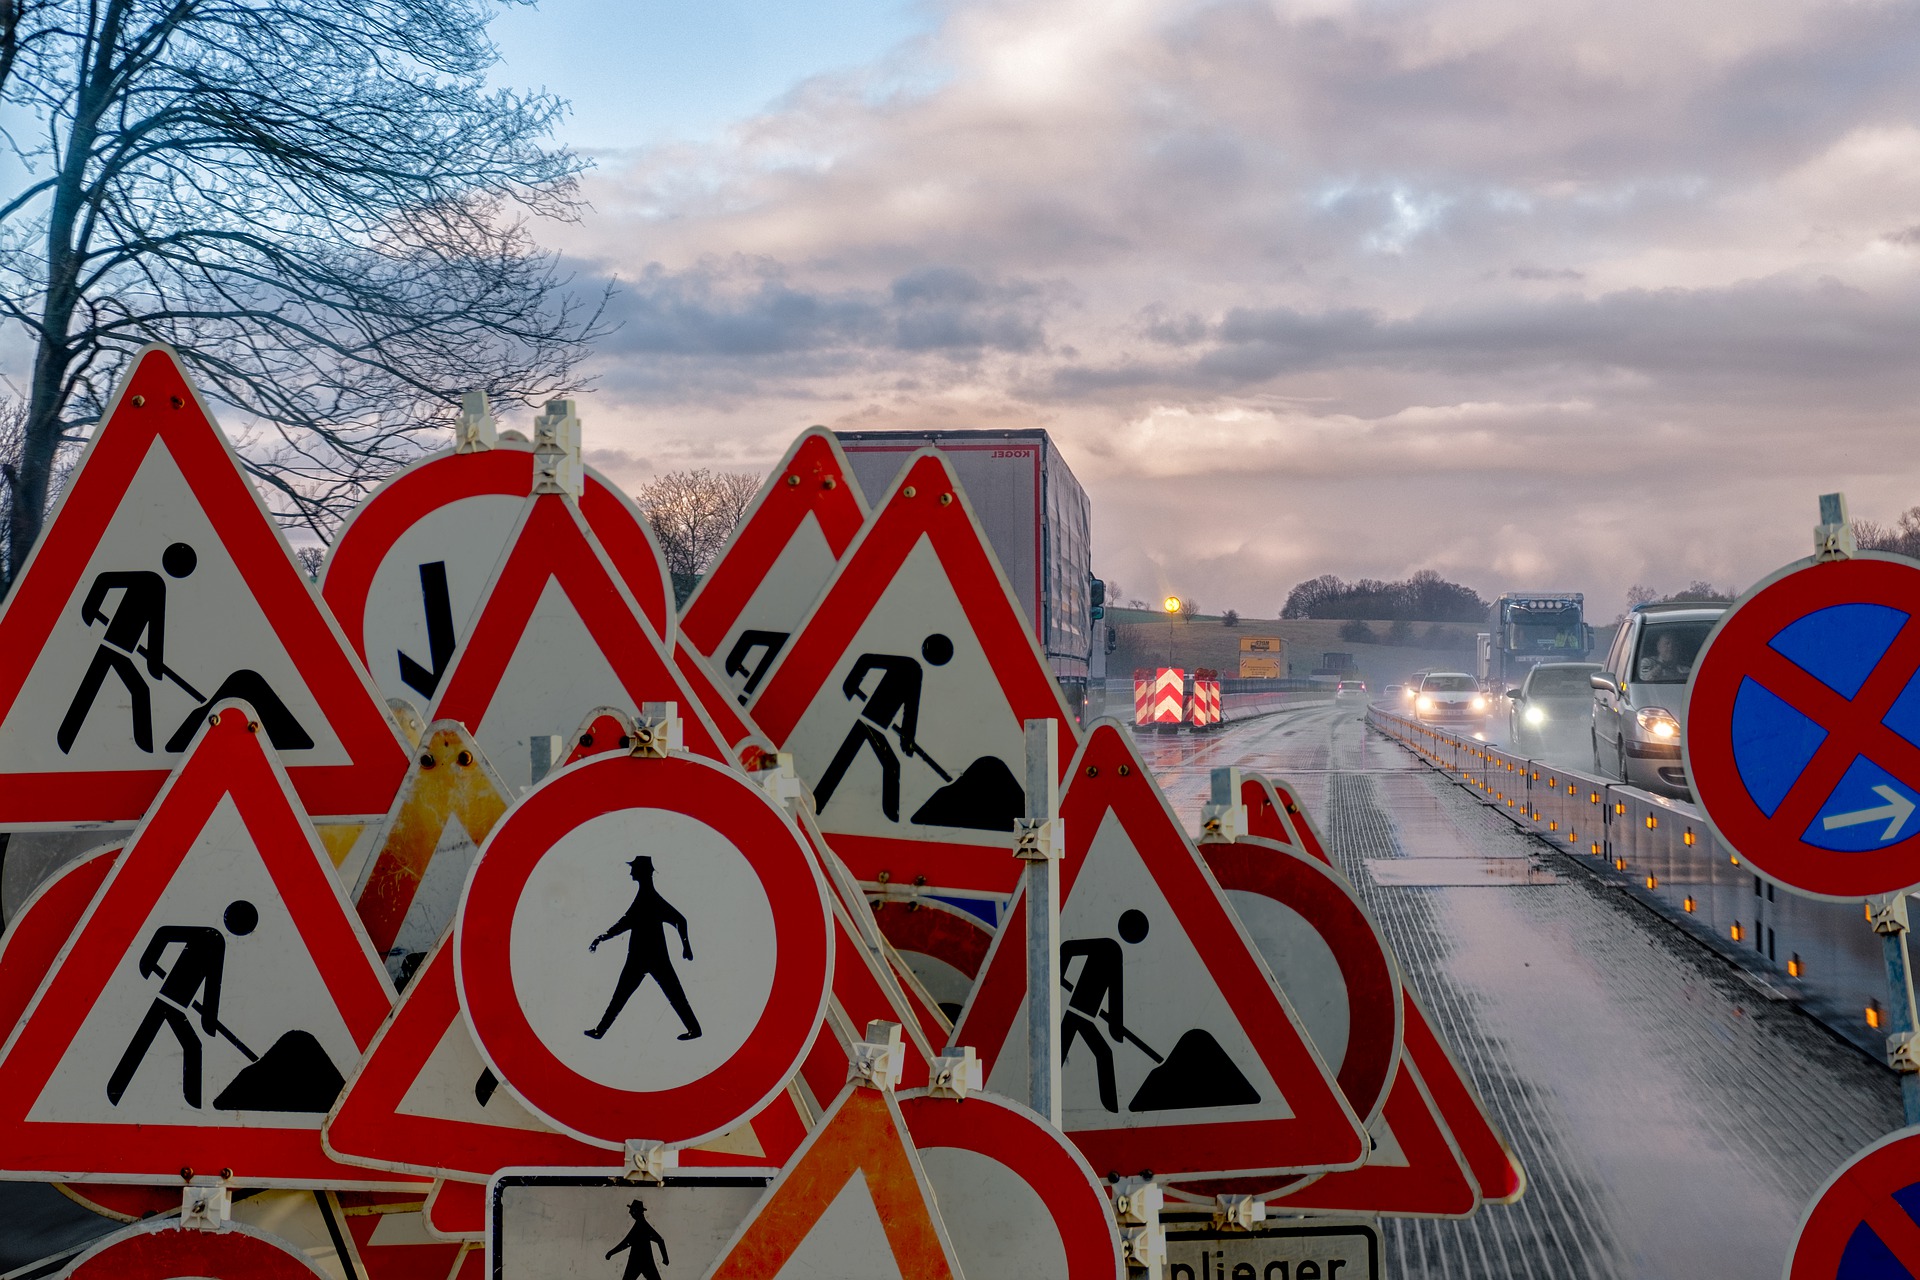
[(1822, 955)]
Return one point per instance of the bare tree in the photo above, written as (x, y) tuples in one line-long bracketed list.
[(311, 559), (319, 204), (693, 513), (13, 438), (1901, 537)]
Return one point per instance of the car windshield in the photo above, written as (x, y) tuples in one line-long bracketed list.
[(1449, 684), (1667, 651), (1549, 682)]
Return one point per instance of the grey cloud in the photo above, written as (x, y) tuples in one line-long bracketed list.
[(1766, 335), (747, 310), (1669, 255)]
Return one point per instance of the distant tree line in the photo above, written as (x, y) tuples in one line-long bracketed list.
[(1705, 592), (1401, 633), (1901, 537), (1425, 597)]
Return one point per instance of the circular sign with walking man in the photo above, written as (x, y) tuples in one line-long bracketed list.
[(644, 949)]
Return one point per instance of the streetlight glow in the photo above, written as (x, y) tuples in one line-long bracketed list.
[(1171, 604)]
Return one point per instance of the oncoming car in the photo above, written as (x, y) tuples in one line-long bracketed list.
[(1640, 695), (1450, 695), (1553, 707)]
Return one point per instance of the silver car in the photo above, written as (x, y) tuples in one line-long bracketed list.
[(1552, 709), (1640, 695), (1450, 695)]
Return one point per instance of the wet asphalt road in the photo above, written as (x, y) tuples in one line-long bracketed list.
[(1673, 1120)]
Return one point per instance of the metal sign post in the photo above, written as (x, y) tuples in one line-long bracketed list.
[(1890, 922), (1038, 843)]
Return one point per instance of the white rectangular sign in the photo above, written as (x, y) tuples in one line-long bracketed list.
[(560, 1224), (1344, 1252)]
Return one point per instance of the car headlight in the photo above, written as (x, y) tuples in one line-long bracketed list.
[(1535, 715), (1424, 702), (1479, 703), (1659, 724)]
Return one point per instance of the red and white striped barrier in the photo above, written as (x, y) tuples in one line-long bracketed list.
[(1143, 696), (1169, 696), (1207, 694)]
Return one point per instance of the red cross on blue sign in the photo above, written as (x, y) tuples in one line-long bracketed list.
[(1865, 1223), (1803, 741)]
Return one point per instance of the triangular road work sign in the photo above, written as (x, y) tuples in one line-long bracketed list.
[(1275, 813), (1179, 1052), (208, 1006), (776, 564), (411, 565), (556, 636), (161, 587), (604, 729), (893, 997), (457, 1210), (1414, 1169), (389, 1235), (409, 889), (1266, 818), (904, 694), (743, 738), (424, 1101), (1496, 1170), (852, 1203)]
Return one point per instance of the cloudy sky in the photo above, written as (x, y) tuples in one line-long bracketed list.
[(1542, 296)]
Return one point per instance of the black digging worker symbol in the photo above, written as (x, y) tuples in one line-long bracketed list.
[(769, 642), (645, 925), (1197, 1073), (986, 796), (137, 628), (295, 1074), (639, 1243)]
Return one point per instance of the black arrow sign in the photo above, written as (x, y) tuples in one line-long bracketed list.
[(439, 607)]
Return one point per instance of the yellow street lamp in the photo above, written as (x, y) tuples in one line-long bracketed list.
[(1171, 604)]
